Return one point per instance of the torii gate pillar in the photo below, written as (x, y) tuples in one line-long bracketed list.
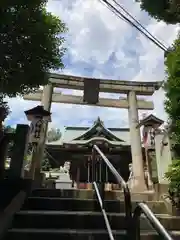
[(138, 183), (46, 101)]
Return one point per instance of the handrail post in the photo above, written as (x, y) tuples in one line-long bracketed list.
[(136, 224), (93, 164), (143, 208)]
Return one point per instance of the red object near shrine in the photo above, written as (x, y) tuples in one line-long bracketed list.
[(82, 186)]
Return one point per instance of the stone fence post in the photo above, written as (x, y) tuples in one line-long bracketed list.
[(20, 148)]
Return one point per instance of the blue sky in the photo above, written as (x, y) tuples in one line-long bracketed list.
[(101, 45)]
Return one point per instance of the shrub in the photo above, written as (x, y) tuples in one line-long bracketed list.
[(173, 175)]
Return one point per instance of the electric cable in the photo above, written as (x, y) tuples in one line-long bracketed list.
[(124, 18), (135, 20)]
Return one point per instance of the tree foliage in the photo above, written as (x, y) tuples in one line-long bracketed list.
[(30, 45), (4, 110), (174, 182), (53, 135), (9, 129), (45, 164), (169, 12), (172, 88), (165, 10)]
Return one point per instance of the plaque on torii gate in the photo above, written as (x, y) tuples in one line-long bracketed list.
[(91, 91)]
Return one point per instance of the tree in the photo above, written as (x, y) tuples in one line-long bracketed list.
[(45, 164), (172, 89), (9, 129), (173, 175), (165, 10), (31, 44), (169, 12), (4, 111), (53, 135)]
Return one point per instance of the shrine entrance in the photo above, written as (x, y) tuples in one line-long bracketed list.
[(75, 147), (90, 169), (91, 89), (98, 171)]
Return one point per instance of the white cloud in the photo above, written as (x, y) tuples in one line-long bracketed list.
[(95, 36), (95, 31)]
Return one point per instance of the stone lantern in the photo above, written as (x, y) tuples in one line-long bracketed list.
[(38, 116), (150, 125)]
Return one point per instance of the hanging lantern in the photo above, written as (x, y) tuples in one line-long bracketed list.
[(38, 116)]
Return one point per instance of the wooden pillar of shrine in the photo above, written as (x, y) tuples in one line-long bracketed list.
[(89, 182), (78, 177)]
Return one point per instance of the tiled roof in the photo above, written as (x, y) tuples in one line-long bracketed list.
[(73, 135)]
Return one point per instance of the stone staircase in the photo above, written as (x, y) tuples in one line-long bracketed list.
[(75, 214)]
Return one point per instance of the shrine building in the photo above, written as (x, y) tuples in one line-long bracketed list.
[(76, 144)]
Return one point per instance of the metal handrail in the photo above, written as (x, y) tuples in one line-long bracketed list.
[(103, 211), (133, 222), (142, 208), (127, 196)]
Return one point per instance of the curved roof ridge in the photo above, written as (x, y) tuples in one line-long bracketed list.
[(97, 138), (98, 123), (88, 130)]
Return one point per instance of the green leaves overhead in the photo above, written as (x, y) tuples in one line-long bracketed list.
[(165, 10), (172, 87), (31, 44), (169, 12)]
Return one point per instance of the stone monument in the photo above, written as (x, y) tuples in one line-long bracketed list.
[(64, 181)]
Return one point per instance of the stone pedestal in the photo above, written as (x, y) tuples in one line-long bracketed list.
[(64, 182), (89, 186), (108, 186), (136, 148), (63, 185)]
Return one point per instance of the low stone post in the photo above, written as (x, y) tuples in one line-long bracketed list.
[(20, 148), (4, 142)]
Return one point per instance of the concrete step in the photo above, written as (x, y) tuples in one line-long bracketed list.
[(47, 203), (83, 220), (81, 234), (90, 194)]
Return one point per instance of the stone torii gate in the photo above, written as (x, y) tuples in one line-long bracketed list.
[(91, 89)]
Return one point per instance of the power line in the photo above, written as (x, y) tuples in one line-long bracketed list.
[(124, 18), (135, 20), (111, 10)]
